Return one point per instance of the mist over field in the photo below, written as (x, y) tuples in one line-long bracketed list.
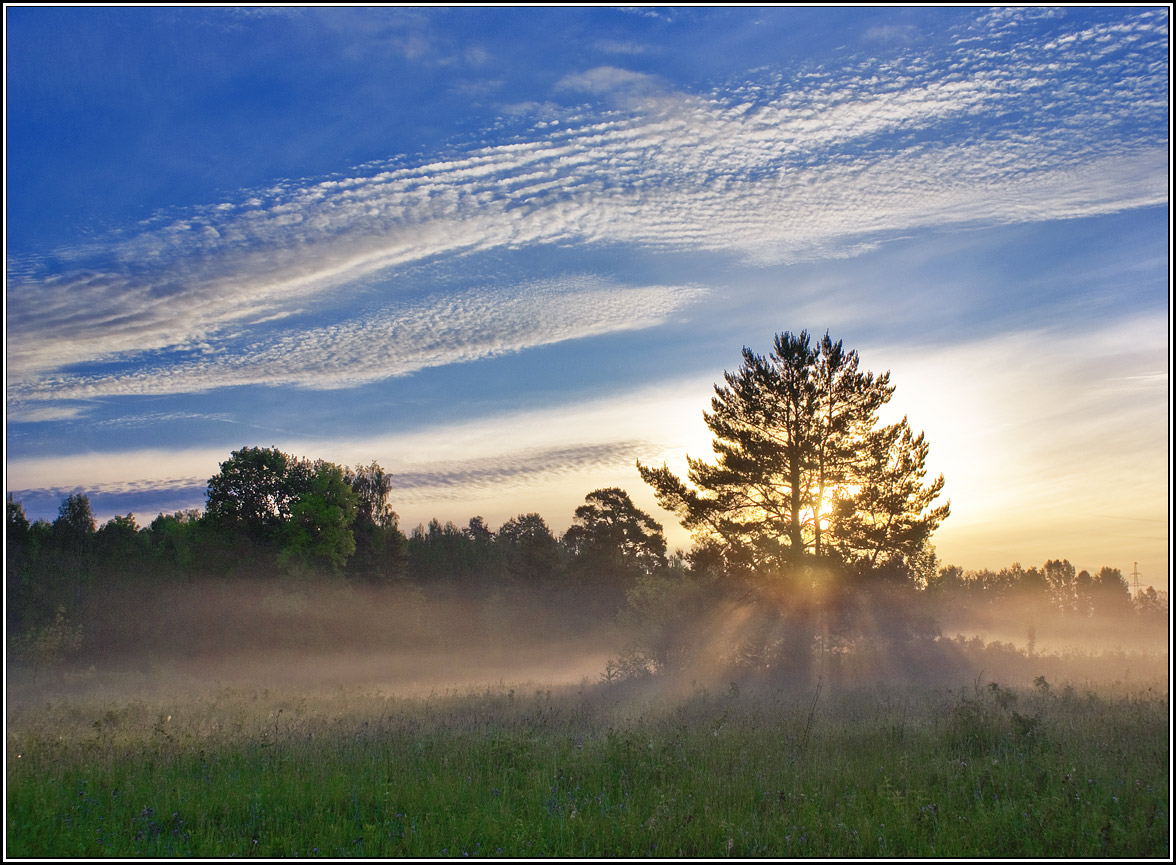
[(254, 717), (318, 637), (442, 432)]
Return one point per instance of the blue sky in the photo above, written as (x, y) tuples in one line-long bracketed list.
[(507, 252)]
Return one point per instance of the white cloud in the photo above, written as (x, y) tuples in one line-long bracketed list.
[(40, 413), (617, 46), (891, 33), (437, 331), (823, 165)]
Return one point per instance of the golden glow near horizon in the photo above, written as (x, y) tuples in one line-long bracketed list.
[(508, 271), (1021, 487)]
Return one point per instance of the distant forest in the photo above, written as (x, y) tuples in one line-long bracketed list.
[(812, 529), (297, 522)]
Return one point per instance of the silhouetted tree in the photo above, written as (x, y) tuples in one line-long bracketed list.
[(440, 553), (1029, 588), (532, 552), (612, 543), (1148, 604), (73, 534), (794, 434), (16, 536), (609, 530), (887, 523), (16, 523), (17, 559), (490, 557), (372, 486), (1062, 580), (119, 548), (380, 554), (1084, 593), (1110, 594), (74, 518), (478, 532)]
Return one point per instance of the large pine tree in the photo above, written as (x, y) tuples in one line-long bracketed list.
[(802, 467)]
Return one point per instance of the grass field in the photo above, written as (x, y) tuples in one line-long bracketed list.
[(596, 770)]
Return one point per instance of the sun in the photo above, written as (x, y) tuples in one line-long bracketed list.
[(824, 507)]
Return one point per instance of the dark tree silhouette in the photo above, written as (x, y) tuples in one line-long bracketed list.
[(887, 523), (800, 457), (610, 531), (73, 535), (532, 552), (373, 487), (74, 518), (1110, 594)]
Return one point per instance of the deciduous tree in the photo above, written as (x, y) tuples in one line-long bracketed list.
[(318, 533), (256, 488)]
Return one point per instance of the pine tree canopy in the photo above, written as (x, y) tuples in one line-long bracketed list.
[(803, 468)]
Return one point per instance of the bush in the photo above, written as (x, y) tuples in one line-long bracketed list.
[(47, 646)]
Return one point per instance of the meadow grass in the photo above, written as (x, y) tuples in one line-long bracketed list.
[(619, 771)]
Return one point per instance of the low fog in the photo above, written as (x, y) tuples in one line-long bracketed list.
[(316, 637)]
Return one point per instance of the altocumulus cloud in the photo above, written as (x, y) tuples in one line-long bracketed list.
[(820, 163), (521, 468), (435, 331)]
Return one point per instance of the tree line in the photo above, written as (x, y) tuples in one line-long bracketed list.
[(272, 515), (808, 497)]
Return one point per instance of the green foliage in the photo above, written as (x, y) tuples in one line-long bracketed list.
[(255, 489), (318, 535), (306, 511), (271, 514), (172, 540)]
